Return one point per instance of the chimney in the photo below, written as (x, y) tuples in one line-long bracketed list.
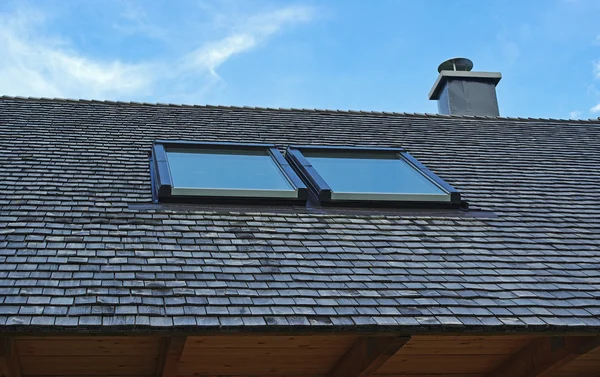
[(462, 92)]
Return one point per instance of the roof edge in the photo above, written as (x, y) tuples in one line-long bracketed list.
[(580, 329), (329, 111)]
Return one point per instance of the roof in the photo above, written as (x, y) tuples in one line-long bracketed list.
[(82, 246)]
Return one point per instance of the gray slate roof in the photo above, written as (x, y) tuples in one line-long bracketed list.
[(82, 247)]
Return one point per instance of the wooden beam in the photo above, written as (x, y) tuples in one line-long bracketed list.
[(171, 350), (366, 355), (9, 359), (545, 355)]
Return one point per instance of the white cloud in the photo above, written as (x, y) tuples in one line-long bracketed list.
[(35, 63), (247, 36), (597, 40), (596, 68), (574, 114), (595, 109), (216, 53)]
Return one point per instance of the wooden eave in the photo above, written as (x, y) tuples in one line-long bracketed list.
[(301, 355)]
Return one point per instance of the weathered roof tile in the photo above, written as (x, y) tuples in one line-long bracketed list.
[(82, 244)]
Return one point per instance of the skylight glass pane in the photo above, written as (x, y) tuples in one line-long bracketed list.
[(385, 174), (218, 169)]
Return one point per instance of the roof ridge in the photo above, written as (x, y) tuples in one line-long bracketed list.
[(334, 111)]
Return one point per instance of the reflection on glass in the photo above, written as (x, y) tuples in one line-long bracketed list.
[(215, 169), (384, 174)]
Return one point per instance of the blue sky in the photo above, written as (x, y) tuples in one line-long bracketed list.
[(362, 55)]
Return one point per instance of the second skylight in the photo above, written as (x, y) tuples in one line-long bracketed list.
[(339, 174)]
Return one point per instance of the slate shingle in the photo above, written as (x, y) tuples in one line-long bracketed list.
[(82, 245)]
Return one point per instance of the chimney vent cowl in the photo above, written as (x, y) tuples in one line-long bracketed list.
[(459, 91)]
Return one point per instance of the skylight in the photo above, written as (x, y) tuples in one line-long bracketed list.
[(224, 170), (346, 174)]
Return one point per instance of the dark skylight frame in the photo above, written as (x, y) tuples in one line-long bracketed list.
[(448, 196), (165, 186)]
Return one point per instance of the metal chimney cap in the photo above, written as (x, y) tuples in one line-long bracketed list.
[(456, 64)]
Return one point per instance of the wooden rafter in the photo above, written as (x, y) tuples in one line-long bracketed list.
[(9, 360), (171, 350), (545, 355), (366, 355)]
